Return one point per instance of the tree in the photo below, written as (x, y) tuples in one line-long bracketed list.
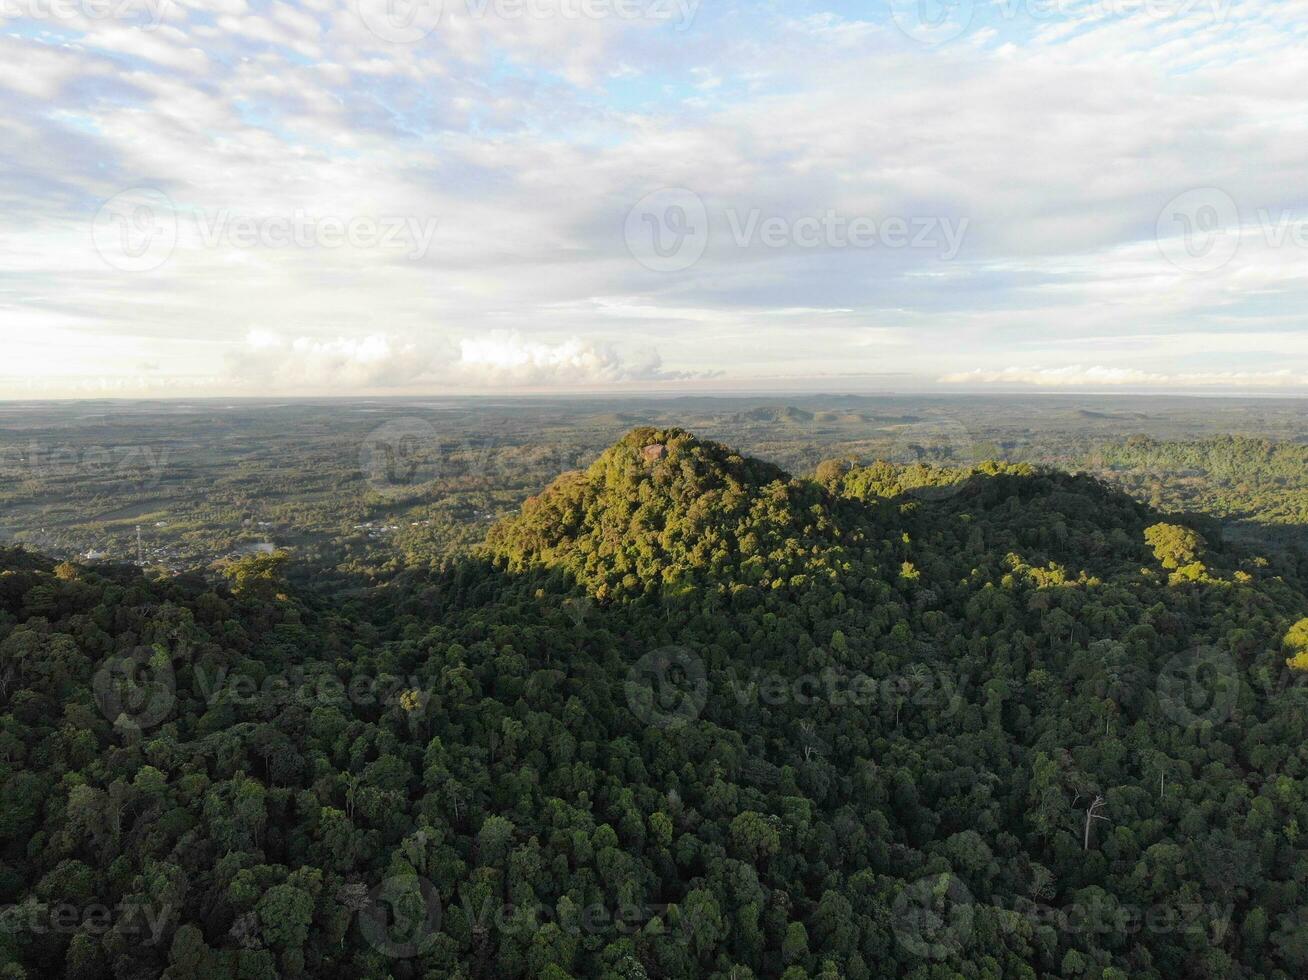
[(259, 577), (1296, 644), (755, 836), (494, 840), (1174, 546), (794, 949), (1092, 814)]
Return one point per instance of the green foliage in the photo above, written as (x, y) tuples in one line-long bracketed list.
[(1174, 545), (1296, 644), (259, 576), (914, 681)]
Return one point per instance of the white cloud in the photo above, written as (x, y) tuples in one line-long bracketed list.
[(1078, 376), (332, 365), (507, 359)]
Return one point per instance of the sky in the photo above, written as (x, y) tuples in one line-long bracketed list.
[(415, 196)]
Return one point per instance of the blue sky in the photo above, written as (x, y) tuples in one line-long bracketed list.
[(397, 196)]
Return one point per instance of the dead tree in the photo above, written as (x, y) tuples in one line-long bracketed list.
[(1091, 815)]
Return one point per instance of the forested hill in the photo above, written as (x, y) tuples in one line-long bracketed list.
[(684, 716), (662, 512), (1259, 485)]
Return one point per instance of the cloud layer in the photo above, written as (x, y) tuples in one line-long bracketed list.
[(526, 195), (1098, 376)]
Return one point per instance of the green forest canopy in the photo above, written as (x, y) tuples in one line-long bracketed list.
[(684, 716)]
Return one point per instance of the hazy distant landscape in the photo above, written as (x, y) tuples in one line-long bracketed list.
[(206, 479)]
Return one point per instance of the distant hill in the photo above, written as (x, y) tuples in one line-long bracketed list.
[(776, 414)]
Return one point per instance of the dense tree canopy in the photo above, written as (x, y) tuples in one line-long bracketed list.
[(684, 716)]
